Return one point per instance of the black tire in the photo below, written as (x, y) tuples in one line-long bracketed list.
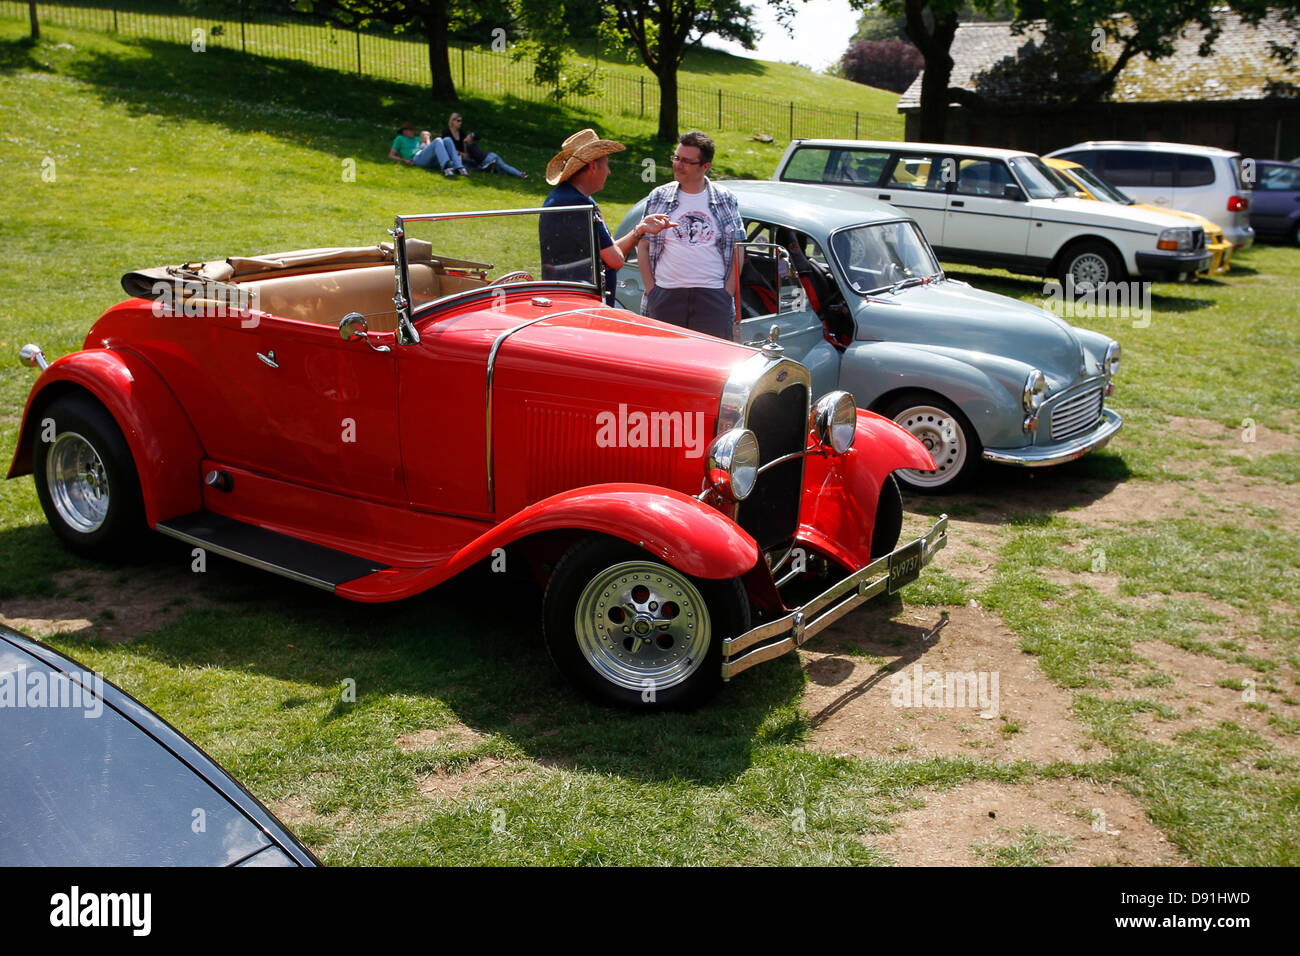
[(673, 666), (1090, 263), (87, 482), (889, 519), (948, 435)]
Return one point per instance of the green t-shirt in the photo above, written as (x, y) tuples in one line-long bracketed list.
[(406, 145)]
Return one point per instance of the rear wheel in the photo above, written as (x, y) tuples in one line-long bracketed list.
[(1089, 264), (633, 631), (86, 481)]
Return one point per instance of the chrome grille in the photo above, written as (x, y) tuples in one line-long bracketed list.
[(769, 395), (1076, 414)]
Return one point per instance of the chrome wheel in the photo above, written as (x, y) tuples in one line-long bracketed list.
[(78, 482), (943, 436), (642, 625)]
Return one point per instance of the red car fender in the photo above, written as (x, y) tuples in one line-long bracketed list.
[(163, 444), (683, 531), (841, 492)]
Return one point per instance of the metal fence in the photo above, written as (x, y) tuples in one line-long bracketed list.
[(476, 69)]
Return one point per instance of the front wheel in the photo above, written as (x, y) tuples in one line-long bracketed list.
[(86, 481), (946, 434), (1089, 264), (635, 632)]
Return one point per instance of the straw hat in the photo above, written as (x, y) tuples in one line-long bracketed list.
[(578, 150)]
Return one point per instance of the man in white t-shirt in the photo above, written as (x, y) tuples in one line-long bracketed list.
[(689, 269)]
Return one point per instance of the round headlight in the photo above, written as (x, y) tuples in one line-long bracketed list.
[(1112, 359), (835, 419), (1035, 391), (732, 463)]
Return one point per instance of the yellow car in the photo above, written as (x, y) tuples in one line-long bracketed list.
[(1090, 186)]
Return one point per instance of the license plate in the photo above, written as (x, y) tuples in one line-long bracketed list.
[(905, 565)]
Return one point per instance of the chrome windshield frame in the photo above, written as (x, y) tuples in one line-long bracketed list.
[(406, 332)]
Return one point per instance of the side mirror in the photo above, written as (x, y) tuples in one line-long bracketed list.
[(1013, 192), (353, 326)]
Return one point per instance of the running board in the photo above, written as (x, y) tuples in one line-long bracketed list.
[(281, 554)]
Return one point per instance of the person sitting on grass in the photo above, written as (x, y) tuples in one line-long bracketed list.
[(405, 145), (425, 152), (487, 162)]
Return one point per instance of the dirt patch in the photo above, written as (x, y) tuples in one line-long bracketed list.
[(116, 605), (881, 688), (452, 785), (451, 737), (1198, 700), (1086, 824)]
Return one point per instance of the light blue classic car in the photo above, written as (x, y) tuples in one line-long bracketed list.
[(856, 294)]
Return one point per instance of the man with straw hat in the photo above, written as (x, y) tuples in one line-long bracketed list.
[(577, 171)]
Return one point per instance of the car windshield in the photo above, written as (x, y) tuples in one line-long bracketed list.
[(1098, 186), (447, 254), (880, 256), (1039, 179)]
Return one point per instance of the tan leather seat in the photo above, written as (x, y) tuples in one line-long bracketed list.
[(326, 297)]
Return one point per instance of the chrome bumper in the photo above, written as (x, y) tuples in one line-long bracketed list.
[(789, 631), (1039, 456)]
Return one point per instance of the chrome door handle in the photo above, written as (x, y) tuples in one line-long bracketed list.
[(269, 358)]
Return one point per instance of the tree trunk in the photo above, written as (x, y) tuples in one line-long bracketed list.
[(443, 86), (668, 129), (934, 42), (36, 26)]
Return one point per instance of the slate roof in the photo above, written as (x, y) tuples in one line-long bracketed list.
[(1240, 67)]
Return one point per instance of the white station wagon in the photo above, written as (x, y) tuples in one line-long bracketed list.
[(1003, 208)]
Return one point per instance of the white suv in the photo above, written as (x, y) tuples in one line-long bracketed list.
[(1199, 179), (1005, 209)]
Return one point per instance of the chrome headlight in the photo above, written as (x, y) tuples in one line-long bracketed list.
[(1111, 362), (732, 463), (1179, 238), (835, 419), (1035, 391)]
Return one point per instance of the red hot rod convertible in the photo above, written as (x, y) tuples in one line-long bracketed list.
[(374, 420)]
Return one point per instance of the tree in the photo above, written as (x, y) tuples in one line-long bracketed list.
[(886, 64), (36, 25), (434, 19), (1146, 29), (662, 31)]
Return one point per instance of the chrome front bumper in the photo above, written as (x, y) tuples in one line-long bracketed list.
[(1039, 456), (784, 634)]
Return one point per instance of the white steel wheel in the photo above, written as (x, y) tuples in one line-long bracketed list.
[(945, 435)]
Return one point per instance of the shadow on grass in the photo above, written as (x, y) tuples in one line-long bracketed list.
[(1001, 494), (475, 646), (1024, 287), (330, 111)]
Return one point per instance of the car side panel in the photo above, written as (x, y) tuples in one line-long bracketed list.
[(679, 529), (872, 371), (162, 440)]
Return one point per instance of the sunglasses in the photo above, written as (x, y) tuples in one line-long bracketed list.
[(684, 161)]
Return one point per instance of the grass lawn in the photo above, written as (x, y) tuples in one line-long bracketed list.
[(463, 745)]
